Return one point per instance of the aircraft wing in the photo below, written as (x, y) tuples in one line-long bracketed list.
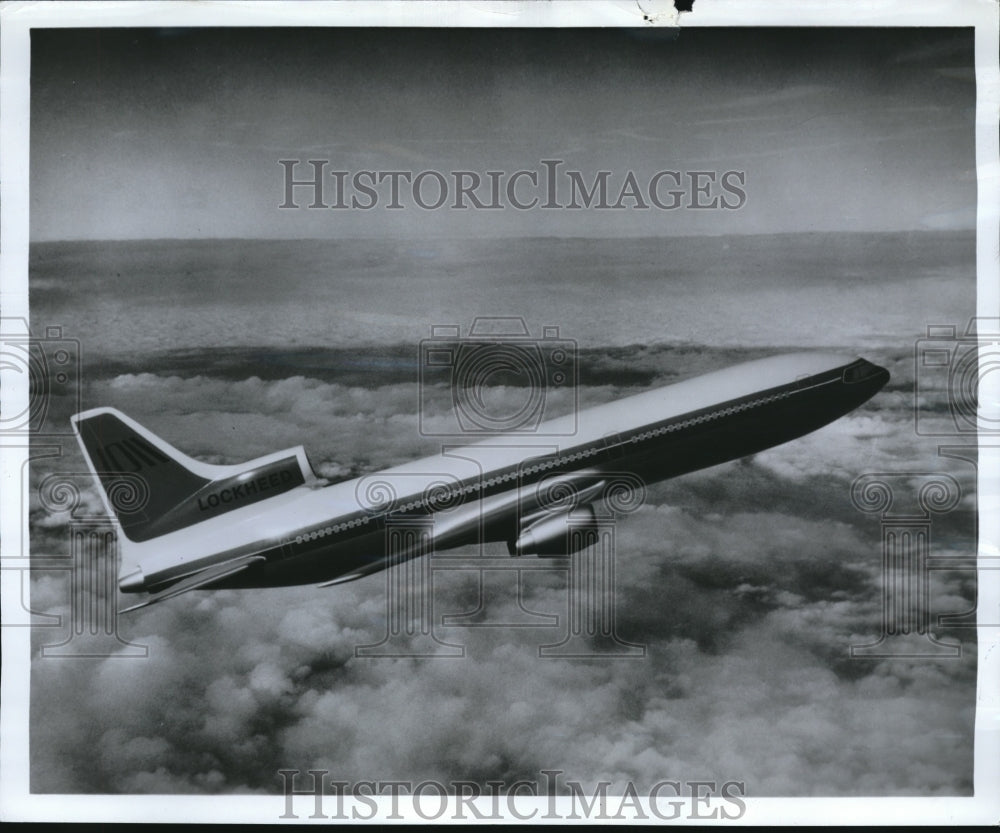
[(199, 579), (501, 517), (497, 518)]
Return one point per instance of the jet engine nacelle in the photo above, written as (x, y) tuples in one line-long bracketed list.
[(562, 533)]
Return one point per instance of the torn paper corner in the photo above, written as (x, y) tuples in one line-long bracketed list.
[(658, 12)]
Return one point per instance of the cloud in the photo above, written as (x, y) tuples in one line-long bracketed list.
[(747, 583)]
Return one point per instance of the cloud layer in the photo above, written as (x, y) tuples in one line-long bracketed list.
[(747, 583)]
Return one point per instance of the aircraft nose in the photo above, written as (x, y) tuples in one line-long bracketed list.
[(872, 375)]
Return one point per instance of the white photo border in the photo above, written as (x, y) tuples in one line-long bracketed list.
[(19, 18)]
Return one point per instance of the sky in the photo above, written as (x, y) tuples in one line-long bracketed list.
[(178, 133)]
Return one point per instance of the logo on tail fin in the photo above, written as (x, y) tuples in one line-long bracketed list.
[(134, 452), (175, 490)]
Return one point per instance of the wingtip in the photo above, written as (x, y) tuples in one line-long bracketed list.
[(92, 412)]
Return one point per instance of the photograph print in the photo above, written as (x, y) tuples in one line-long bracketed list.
[(577, 421)]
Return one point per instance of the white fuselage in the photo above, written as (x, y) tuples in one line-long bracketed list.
[(318, 532)]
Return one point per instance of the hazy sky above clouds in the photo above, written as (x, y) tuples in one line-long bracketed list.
[(177, 133)]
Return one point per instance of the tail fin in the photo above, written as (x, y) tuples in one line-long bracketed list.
[(152, 488)]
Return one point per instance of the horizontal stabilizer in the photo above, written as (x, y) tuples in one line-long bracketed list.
[(200, 579)]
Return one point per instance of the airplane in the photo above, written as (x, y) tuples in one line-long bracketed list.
[(185, 525)]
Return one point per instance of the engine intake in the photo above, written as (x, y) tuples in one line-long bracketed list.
[(557, 535)]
